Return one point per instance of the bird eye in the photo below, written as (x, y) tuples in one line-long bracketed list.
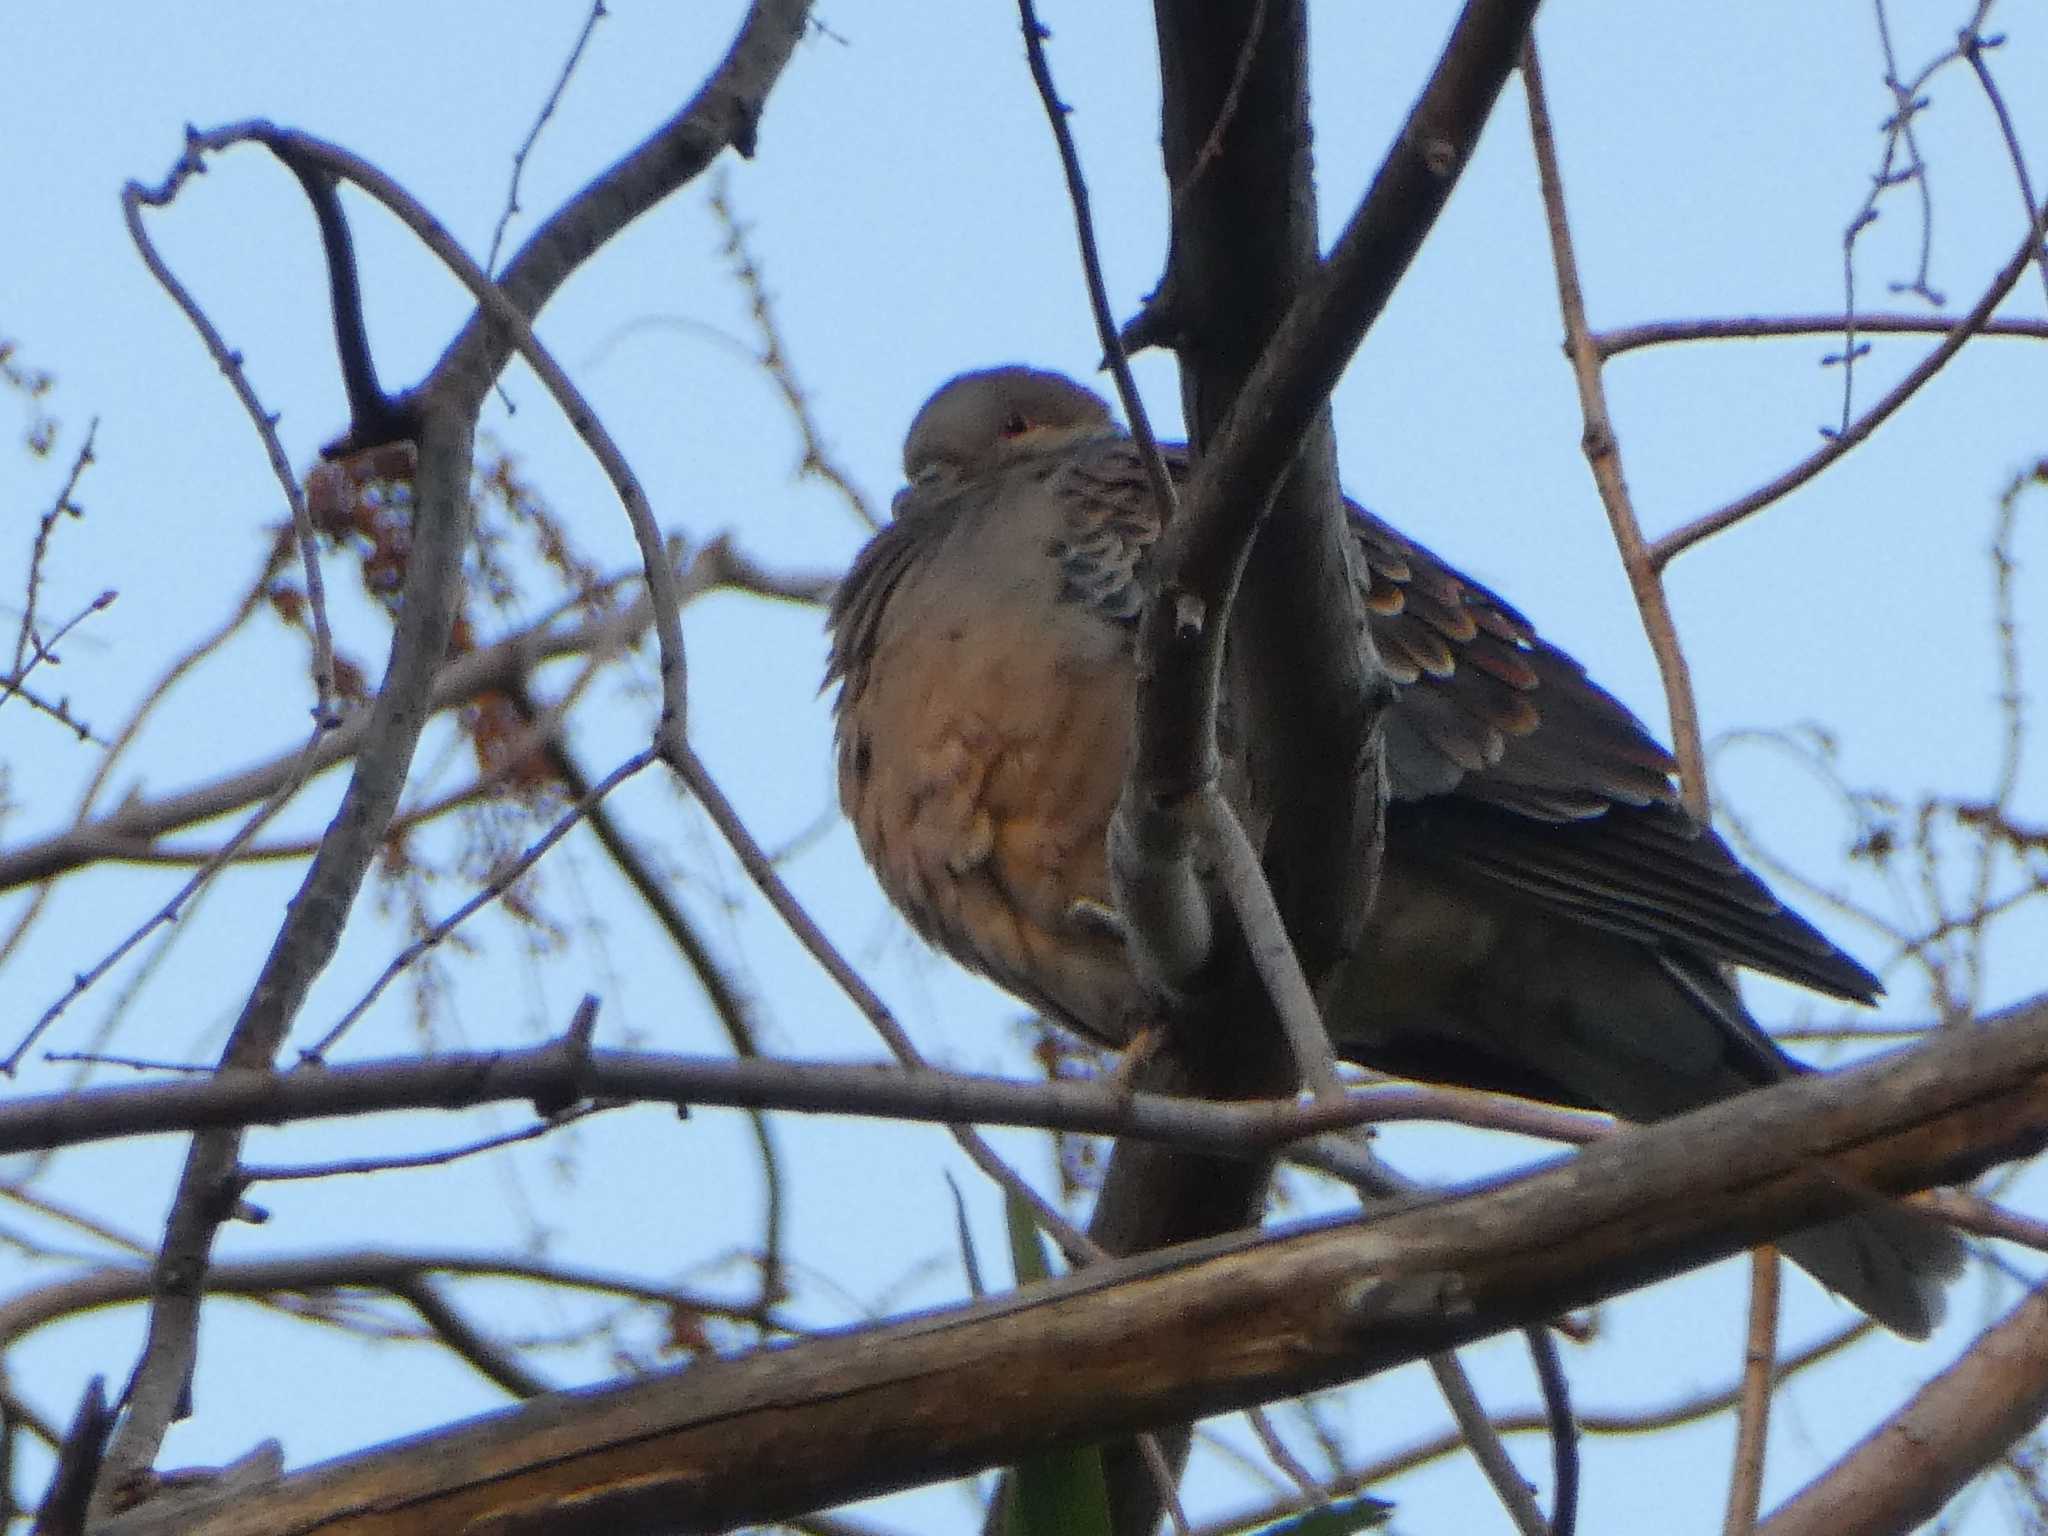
[(1014, 424)]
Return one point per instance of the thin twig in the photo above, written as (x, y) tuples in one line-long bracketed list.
[(294, 780), (375, 1269), (25, 1415), (1659, 333), (463, 1079), (464, 1340), (58, 710), (1973, 45), (1056, 111), (1515, 1495), (134, 198), (1974, 1213), (45, 526), (1278, 1453), (277, 1173), (2012, 698), (1753, 1412), (773, 359), (540, 121), (1564, 1430), (1618, 1422), (501, 881), (727, 1004), (1165, 1481), (41, 650), (1907, 102), (768, 880), (1603, 455), (29, 1199), (1265, 935), (192, 1069), (1684, 537)]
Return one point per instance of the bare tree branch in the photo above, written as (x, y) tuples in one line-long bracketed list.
[(504, 665), (134, 198), (1675, 543), (540, 121), (375, 1269), (501, 881), (159, 1391), (1753, 1410), (1913, 1463), (768, 880), (1474, 1425), (1214, 1326), (556, 1074), (1263, 331), (1603, 454), (1691, 1409), (63, 1510), (725, 112), (1659, 333)]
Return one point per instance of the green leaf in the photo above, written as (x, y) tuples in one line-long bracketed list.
[(1362, 1512), (1061, 1493), (968, 1258), (1027, 1250)]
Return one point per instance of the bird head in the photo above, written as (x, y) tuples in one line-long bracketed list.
[(979, 420)]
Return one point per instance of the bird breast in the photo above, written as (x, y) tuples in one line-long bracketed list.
[(980, 760)]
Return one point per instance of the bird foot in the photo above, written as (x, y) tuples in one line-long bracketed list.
[(1142, 1047)]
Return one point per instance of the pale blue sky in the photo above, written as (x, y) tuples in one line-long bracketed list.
[(907, 208)]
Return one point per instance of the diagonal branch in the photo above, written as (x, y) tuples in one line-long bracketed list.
[(1193, 1331), (159, 1391), (1660, 333), (1603, 454), (1913, 1463), (1682, 538), (724, 112), (552, 1075), (1263, 332)]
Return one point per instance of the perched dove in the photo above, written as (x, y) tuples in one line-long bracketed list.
[(1550, 922)]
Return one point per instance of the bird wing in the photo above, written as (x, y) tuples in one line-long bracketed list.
[(1506, 762)]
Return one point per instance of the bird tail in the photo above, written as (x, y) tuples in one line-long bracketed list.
[(1889, 1261)]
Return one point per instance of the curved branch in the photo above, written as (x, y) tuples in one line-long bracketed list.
[(1596, 1421), (724, 112), (1682, 538), (159, 1392), (1907, 1468), (1603, 455), (1216, 1325), (1659, 333), (553, 1075), (361, 1268)]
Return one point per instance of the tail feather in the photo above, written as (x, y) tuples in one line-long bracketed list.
[(1889, 1261)]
